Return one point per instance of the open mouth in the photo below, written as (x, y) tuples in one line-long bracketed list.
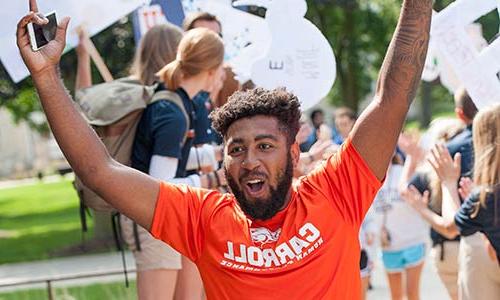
[(254, 187)]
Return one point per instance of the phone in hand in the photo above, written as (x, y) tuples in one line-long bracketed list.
[(41, 35)]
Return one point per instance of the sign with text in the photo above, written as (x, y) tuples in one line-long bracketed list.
[(149, 16), (93, 15), (477, 70), (299, 57), (284, 49)]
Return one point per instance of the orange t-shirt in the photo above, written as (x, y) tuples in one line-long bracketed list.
[(309, 250)]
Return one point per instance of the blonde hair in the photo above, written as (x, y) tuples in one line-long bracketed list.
[(157, 48), (486, 141), (199, 50)]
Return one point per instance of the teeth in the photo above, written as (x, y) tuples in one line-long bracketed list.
[(254, 181)]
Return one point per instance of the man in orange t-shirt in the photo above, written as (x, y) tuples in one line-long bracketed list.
[(268, 239)]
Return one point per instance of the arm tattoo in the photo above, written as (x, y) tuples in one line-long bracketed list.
[(402, 68)]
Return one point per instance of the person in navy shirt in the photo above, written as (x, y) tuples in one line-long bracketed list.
[(480, 212)]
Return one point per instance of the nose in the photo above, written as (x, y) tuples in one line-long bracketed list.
[(250, 161)]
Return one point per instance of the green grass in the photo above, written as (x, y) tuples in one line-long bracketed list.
[(38, 219), (112, 291)]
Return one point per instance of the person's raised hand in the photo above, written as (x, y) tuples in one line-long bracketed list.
[(48, 56), (416, 200), (465, 187), (447, 169), (81, 50), (408, 143), (318, 149), (304, 131)]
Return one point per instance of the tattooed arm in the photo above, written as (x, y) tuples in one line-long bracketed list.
[(376, 131)]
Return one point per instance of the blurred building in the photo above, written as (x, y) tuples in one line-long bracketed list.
[(24, 152)]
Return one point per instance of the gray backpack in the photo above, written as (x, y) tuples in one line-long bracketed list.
[(114, 109)]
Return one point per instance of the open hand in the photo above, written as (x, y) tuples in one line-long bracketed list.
[(416, 200), (304, 132), (50, 54), (465, 187), (447, 169), (408, 143), (318, 149), (82, 50)]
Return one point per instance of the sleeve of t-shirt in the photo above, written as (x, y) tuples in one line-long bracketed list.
[(466, 220), (178, 218), (347, 181), (168, 129)]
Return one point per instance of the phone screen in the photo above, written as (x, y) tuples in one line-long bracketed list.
[(47, 32)]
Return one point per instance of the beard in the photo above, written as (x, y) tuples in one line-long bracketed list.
[(264, 208)]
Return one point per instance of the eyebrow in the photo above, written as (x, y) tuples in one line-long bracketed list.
[(257, 138), (266, 136)]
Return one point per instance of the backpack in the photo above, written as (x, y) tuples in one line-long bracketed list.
[(114, 110)]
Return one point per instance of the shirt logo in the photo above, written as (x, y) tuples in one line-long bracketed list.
[(262, 236), (254, 259)]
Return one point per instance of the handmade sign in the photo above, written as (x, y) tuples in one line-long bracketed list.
[(477, 70), (94, 15), (149, 16), (245, 35), (437, 66), (299, 57)]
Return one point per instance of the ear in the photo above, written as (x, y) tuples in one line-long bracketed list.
[(212, 72), (295, 152), (460, 114)]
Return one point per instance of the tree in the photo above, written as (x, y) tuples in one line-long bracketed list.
[(359, 32)]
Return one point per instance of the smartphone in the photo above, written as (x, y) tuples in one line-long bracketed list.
[(41, 35)]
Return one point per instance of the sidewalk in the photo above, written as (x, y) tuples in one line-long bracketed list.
[(431, 286), (68, 266)]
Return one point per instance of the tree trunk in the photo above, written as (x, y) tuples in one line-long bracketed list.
[(350, 91), (425, 101)]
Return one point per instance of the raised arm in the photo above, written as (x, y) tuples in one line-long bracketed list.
[(421, 204), (377, 130), (83, 69), (130, 191)]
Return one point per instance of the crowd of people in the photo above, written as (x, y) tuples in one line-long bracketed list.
[(233, 192)]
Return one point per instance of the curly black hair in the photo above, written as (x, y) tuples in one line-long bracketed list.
[(278, 103)]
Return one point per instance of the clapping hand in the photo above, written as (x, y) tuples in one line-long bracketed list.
[(50, 54), (465, 187), (447, 169), (318, 149), (416, 200), (408, 143)]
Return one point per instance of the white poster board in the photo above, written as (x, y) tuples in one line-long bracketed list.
[(284, 49), (436, 64), (478, 71), (94, 15), (299, 57), (245, 36)]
